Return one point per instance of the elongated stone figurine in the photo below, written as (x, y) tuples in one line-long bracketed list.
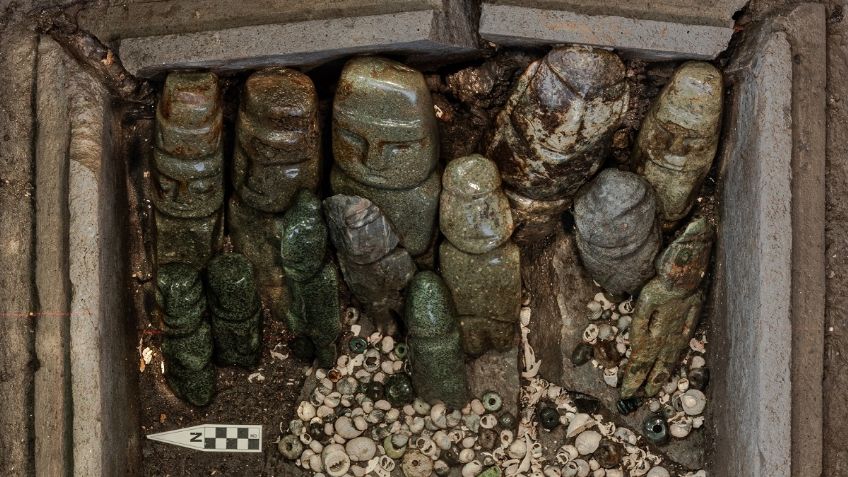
[(187, 342), (618, 234), (386, 147), (479, 262), (312, 278), (667, 311), (679, 137), (188, 180), (375, 268), (236, 311), (553, 133), (435, 352), (276, 154)]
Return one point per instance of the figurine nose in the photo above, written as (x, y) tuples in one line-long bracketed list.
[(376, 158)]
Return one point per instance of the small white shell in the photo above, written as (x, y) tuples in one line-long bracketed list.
[(681, 427), (387, 463), (658, 471), (697, 362), (602, 299), (579, 423), (697, 422), (590, 334), (606, 332), (626, 307), (697, 345), (438, 414), (345, 427), (552, 471), (517, 449), (625, 435), (466, 456), (507, 438), (442, 440), (305, 411), (682, 384), (693, 402), (361, 449), (611, 376), (524, 316), (472, 469), (323, 411), (587, 442), (488, 421), (387, 344), (614, 473), (477, 407), (336, 461), (606, 428)]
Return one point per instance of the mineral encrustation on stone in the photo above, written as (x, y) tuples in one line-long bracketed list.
[(479, 262), (187, 343), (386, 148), (312, 278), (668, 309), (679, 137), (188, 180), (236, 311), (553, 133), (618, 234), (374, 266), (277, 153), (435, 350)]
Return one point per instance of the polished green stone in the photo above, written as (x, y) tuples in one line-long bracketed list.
[(236, 311), (493, 471), (399, 390)]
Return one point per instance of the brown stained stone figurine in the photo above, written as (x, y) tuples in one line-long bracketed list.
[(554, 131), (679, 137), (386, 147), (375, 268), (667, 311), (276, 154), (479, 262), (188, 180)]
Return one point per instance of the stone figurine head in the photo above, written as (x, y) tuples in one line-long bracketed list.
[(179, 294), (188, 159), (277, 129), (685, 261), (303, 237), (232, 284), (384, 125), (474, 212), (429, 311), (359, 229)]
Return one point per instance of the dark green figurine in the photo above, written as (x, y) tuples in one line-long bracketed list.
[(313, 280), (236, 314), (435, 349), (187, 343)]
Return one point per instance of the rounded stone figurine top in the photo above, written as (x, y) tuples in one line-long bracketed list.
[(359, 229), (179, 292), (189, 115), (683, 263), (693, 98), (474, 212), (231, 280), (616, 210), (429, 310), (303, 237), (384, 125)]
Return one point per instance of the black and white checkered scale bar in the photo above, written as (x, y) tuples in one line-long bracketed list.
[(240, 438)]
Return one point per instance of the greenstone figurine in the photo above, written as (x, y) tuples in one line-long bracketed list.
[(277, 153), (188, 181), (187, 343), (679, 137), (386, 148), (236, 311), (374, 266), (667, 311), (312, 278), (479, 262), (435, 351)]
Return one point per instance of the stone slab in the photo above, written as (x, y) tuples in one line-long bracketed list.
[(642, 38), (495, 371)]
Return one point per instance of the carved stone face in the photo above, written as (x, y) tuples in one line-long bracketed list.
[(384, 126), (359, 229), (304, 237), (685, 261)]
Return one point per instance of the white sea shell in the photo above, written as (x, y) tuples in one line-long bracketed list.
[(625, 435), (387, 463), (336, 461), (590, 334), (606, 332), (441, 467), (438, 414), (579, 423), (388, 367), (682, 384), (587, 442), (372, 360), (305, 411), (472, 469), (697, 345), (383, 405), (570, 451), (442, 440), (626, 307), (392, 415), (323, 411), (468, 442), (417, 424), (552, 471), (517, 449), (488, 421), (658, 472), (693, 402), (680, 428), (593, 464), (606, 428), (602, 299), (453, 418), (506, 439), (697, 422), (524, 316), (477, 407), (654, 405), (611, 376), (345, 427), (614, 473), (466, 456), (697, 362), (361, 449)]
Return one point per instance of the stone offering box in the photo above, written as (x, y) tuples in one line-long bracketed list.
[(766, 305)]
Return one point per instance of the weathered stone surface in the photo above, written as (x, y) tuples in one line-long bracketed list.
[(679, 137), (535, 219), (374, 267), (188, 169), (435, 353), (494, 371), (617, 232), (386, 147), (315, 311), (668, 310), (187, 345), (235, 309), (276, 154)]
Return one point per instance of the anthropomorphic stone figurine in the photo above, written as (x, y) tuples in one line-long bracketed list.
[(479, 262), (435, 352), (618, 234), (679, 137), (374, 266), (386, 147), (554, 132), (236, 311), (188, 180), (312, 278), (187, 343), (277, 153), (667, 311)]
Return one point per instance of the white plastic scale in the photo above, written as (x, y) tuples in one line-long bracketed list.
[(214, 437)]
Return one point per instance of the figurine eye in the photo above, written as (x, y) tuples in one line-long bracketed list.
[(352, 140), (201, 186), (166, 183)]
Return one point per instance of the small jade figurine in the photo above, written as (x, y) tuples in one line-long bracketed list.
[(187, 342), (236, 311), (553, 133), (667, 311), (276, 154), (618, 234), (375, 268), (386, 147), (188, 180), (435, 352), (679, 137), (311, 276), (479, 262)]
